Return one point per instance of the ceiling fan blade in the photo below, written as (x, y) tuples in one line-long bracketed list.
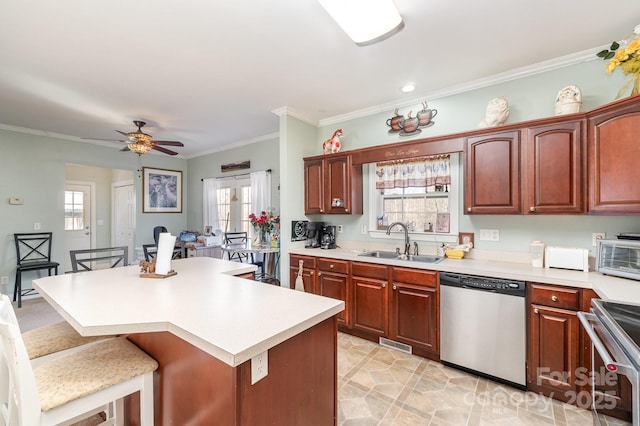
[(122, 133), (126, 148), (169, 143), (100, 139), (166, 151)]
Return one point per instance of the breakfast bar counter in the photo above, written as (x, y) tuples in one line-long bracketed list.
[(203, 326)]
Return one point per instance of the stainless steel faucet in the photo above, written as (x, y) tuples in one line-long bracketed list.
[(407, 246)]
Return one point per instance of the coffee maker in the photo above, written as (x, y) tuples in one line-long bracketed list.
[(328, 237), (314, 234)]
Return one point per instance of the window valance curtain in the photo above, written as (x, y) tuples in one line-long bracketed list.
[(424, 172), (210, 203)]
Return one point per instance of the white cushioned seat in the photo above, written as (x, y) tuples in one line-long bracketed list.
[(90, 370), (55, 338)]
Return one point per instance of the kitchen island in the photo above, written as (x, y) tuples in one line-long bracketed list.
[(204, 326)]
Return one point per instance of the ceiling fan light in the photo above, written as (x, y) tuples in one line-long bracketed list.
[(140, 148), (365, 21)]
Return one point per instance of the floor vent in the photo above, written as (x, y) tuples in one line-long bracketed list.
[(395, 345)]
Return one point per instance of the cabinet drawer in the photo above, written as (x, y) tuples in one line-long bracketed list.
[(369, 270), (309, 262), (415, 276), (333, 265), (557, 297)]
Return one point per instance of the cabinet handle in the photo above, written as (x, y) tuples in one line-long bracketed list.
[(346, 210), (321, 210), (532, 209), (554, 298), (394, 287), (384, 285), (469, 209), (311, 273), (331, 266), (536, 311), (319, 274)]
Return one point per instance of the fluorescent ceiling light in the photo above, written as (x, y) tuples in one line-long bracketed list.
[(365, 21)]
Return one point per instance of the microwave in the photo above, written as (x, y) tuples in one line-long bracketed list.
[(619, 257)]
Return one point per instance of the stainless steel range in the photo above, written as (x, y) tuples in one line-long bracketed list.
[(614, 329)]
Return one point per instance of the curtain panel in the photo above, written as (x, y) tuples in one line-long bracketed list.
[(425, 172)]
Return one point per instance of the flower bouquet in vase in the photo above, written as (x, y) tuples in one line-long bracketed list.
[(626, 56), (262, 227)]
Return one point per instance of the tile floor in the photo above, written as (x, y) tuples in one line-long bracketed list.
[(383, 386)]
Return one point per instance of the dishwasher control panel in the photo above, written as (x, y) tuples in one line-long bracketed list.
[(498, 285)]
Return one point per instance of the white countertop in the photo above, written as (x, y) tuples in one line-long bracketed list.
[(231, 318), (605, 286)]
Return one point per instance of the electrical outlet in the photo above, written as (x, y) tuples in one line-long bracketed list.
[(36, 226), (597, 236), (490, 234), (339, 229), (4, 280), (259, 367)]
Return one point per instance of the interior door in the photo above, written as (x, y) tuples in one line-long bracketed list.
[(77, 218), (124, 216)]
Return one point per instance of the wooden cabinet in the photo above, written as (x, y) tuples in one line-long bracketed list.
[(370, 297), (334, 281), (553, 343), (492, 173), (414, 315), (613, 158), (333, 185), (308, 272), (554, 168)]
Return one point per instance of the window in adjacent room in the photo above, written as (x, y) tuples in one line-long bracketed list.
[(73, 210)]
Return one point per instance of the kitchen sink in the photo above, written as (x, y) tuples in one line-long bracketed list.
[(381, 254), (409, 258)]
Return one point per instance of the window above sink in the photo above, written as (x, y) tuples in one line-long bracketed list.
[(434, 207)]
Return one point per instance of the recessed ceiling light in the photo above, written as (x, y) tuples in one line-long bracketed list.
[(409, 87)]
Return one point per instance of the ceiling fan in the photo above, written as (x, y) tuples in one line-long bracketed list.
[(141, 143)]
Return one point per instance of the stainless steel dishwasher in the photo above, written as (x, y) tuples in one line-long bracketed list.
[(483, 326)]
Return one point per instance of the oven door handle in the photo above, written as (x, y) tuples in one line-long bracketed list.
[(586, 319)]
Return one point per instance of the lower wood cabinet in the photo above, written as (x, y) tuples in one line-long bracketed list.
[(308, 272), (333, 281), (414, 318), (559, 352), (370, 297)]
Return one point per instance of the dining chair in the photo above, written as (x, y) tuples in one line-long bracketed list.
[(100, 258), (241, 238), (33, 253), (72, 387), (150, 251)]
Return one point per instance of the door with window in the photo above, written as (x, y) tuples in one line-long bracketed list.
[(234, 205), (77, 218)]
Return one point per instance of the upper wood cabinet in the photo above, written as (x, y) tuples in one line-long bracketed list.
[(614, 150), (333, 185), (492, 173), (554, 168)]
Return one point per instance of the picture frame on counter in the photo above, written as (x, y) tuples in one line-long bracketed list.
[(442, 222)]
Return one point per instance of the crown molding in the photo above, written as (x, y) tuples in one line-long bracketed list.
[(514, 74), (285, 110)]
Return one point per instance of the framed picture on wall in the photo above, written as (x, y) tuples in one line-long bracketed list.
[(161, 191)]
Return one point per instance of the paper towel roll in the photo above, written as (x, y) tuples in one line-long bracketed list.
[(166, 243)]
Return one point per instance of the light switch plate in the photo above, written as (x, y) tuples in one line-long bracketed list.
[(16, 201)]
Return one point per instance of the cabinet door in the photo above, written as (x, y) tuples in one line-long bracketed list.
[(308, 279), (313, 187), (613, 159), (370, 304), (492, 174), (338, 185), (554, 163), (415, 316), (553, 352), (336, 286)]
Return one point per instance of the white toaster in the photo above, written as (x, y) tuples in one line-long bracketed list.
[(567, 258)]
